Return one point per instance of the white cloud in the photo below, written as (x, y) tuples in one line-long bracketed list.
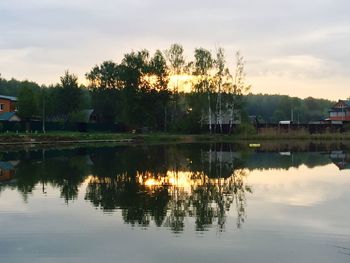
[(303, 39)]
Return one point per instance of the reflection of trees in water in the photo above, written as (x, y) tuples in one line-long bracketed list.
[(63, 173), (162, 185), (168, 199), (208, 200), (139, 206)]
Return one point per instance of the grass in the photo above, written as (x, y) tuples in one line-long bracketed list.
[(56, 137)]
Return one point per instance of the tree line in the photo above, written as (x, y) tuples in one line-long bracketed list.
[(274, 108), (162, 91)]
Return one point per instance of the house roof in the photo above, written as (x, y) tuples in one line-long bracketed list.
[(8, 98), (337, 108), (346, 102), (86, 114), (6, 166), (6, 116)]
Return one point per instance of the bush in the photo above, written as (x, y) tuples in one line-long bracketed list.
[(17, 126), (246, 129)]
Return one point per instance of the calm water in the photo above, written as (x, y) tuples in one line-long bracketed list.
[(176, 203)]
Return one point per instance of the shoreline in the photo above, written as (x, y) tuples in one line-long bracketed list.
[(58, 138)]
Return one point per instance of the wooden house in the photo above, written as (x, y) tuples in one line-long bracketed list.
[(8, 104), (340, 111)]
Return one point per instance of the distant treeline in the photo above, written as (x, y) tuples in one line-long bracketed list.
[(145, 90), (273, 108), (270, 108)]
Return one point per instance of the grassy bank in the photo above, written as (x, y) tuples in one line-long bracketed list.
[(76, 137)]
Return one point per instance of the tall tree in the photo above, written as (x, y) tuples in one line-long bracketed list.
[(159, 70), (175, 56), (106, 75), (134, 66), (70, 95), (238, 88), (219, 76), (203, 64), (27, 103), (105, 84)]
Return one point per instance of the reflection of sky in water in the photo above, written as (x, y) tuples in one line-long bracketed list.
[(292, 215)]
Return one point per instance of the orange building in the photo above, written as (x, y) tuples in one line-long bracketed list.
[(8, 104), (7, 170), (340, 111)]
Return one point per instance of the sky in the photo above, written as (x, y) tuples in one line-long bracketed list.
[(295, 47)]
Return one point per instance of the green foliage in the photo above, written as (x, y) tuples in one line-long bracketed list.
[(176, 58), (70, 96), (135, 92), (105, 76), (246, 129), (274, 108), (106, 103), (202, 65), (17, 126), (27, 103), (13, 87)]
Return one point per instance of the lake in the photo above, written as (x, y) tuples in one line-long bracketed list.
[(176, 203)]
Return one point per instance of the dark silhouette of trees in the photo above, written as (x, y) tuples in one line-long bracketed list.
[(28, 103), (136, 93), (70, 95)]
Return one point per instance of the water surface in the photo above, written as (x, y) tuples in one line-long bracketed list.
[(175, 203)]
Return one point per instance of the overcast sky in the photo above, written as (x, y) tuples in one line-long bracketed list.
[(295, 47)]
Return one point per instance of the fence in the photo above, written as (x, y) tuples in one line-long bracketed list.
[(37, 126)]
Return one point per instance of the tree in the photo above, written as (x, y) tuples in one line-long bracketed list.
[(70, 95), (27, 103), (238, 88), (220, 74), (203, 64), (105, 85), (134, 67), (105, 76), (176, 65), (159, 69)]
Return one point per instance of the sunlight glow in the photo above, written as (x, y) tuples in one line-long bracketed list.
[(183, 83)]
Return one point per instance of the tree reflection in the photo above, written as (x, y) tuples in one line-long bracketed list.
[(139, 206), (160, 185), (65, 173), (165, 185), (168, 198)]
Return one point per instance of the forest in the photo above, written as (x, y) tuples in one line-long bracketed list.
[(161, 91)]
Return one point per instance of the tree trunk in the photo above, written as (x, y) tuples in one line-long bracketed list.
[(232, 117), (220, 107), (209, 113), (165, 118)]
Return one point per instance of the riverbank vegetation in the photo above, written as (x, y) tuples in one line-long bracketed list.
[(61, 138)]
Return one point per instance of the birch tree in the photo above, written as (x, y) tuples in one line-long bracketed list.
[(176, 62), (238, 87), (220, 72), (203, 65)]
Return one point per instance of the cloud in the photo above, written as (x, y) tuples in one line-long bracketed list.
[(297, 38)]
